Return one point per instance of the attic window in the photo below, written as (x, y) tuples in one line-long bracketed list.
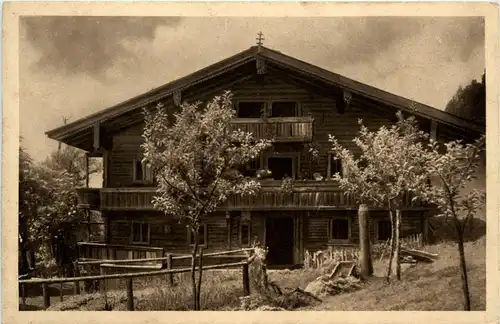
[(284, 109), (250, 109)]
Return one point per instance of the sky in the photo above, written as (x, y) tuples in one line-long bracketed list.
[(74, 66)]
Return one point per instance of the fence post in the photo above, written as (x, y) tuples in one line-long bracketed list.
[(103, 286), (61, 292), (46, 296), (246, 280), (170, 276), (130, 295), (76, 273)]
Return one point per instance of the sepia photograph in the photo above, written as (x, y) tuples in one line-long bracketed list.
[(252, 163)]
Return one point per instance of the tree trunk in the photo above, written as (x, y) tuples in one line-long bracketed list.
[(364, 241), (200, 272), (391, 244), (397, 254), (193, 269), (463, 265)]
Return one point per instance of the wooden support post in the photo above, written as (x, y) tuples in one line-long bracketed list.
[(61, 298), (170, 276), (130, 295), (86, 171), (46, 296), (246, 280), (23, 293), (364, 242)]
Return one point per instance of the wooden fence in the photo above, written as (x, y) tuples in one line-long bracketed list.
[(335, 254), (167, 270)]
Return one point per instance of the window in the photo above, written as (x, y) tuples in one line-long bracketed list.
[(140, 233), (251, 168), (244, 233), (384, 230), (281, 166), (142, 172), (248, 109), (284, 109), (339, 229), (202, 235), (334, 166)]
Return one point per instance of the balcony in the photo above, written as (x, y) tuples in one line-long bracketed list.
[(305, 195), (286, 129), (88, 198)]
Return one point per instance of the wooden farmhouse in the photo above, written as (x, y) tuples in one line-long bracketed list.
[(302, 104)]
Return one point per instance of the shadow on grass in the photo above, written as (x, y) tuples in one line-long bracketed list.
[(442, 230)]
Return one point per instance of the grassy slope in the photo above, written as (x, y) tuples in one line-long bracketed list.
[(436, 286)]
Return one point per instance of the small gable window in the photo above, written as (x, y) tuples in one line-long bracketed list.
[(250, 109)]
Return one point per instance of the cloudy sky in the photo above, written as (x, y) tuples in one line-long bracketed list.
[(74, 66)]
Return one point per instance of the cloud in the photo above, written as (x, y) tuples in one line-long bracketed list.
[(79, 44)]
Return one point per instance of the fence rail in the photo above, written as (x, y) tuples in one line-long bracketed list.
[(44, 282)]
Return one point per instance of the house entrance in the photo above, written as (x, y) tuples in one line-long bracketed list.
[(279, 240)]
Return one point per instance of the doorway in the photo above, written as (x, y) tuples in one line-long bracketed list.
[(279, 240)]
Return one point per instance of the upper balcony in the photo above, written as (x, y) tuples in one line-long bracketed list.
[(282, 129), (305, 195)]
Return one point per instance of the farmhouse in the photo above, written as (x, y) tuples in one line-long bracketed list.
[(299, 104)]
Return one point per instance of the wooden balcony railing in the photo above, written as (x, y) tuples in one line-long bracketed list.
[(289, 129), (88, 198), (306, 195), (127, 198)]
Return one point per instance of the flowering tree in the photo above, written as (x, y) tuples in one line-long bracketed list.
[(49, 222), (452, 171), (196, 160), (391, 165)]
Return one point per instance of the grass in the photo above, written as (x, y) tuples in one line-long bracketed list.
[(427, 287)]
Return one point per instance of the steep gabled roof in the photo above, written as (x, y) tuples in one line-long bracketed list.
[(85, 124)]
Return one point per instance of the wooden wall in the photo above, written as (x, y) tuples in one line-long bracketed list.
[(317, 230), (126, 143)]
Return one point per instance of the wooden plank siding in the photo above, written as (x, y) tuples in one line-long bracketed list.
[(126, 144)]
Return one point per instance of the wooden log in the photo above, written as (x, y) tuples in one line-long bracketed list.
[(366, 263), (130, 295), (46, 296), (246, 280)]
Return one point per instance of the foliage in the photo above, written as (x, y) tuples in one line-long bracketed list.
[(391, 165), (49, 221), (196, 161), (452, 171), (470, 101)]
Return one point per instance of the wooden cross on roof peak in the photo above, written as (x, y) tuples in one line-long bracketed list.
[(260, 38)]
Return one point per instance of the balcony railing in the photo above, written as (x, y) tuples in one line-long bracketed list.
[(306, 195), (88, 198), (287, 129)]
